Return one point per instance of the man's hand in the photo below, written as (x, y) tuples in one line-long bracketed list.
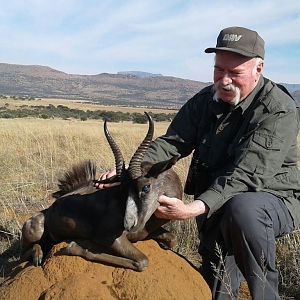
[(171, 209), (104, 176), (176, 209)]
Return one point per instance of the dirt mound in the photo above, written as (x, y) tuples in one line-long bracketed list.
[(168, 276)]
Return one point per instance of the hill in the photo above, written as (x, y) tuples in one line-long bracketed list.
[(294, 90), (139, 74), (129, 88)]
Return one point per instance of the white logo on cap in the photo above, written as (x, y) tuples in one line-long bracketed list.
[(232, 37)]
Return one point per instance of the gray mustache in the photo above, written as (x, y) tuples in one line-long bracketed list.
[(229, 87)]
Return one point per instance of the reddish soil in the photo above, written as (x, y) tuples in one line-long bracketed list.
[(168, 276)]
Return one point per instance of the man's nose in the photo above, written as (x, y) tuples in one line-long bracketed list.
[(226, 79)]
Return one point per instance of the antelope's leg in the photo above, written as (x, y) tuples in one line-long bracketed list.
[(153, 230), (166, 239), (32, 232), (160, 234), (35, 253), (151, 226), (132, 258)]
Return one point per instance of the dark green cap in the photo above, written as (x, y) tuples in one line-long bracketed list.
[(240, 40)]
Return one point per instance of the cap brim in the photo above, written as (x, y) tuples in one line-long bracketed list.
[(238, 51)]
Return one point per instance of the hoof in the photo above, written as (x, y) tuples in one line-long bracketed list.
[(141, 265), (37, 260), (37, 255), (68, 249), (167, 241), (73, 249), (72, 244)]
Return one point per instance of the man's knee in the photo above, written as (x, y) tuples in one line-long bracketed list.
[(241, 205), (246, 212)]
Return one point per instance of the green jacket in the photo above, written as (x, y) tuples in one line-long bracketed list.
[(252, 147)]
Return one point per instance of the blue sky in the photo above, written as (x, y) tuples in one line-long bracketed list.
[(157, 36)]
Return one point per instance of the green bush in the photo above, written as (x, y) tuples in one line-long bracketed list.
[(66, 113)]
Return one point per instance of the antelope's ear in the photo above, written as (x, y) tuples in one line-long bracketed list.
[(162, 166)]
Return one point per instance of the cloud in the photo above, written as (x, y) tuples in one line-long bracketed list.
[(166, 37)]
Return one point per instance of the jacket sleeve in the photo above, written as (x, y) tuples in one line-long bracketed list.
[(258, 157), (181, 136)]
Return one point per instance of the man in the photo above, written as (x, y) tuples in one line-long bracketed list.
[(243, 175)]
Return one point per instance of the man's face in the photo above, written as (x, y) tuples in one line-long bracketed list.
[(235, 76)]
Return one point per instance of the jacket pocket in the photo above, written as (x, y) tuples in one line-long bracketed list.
[(269, 142), (260, 154)]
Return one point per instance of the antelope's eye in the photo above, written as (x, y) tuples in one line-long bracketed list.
[(146, 188)]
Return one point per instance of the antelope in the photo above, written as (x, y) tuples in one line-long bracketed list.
[(114, 218)]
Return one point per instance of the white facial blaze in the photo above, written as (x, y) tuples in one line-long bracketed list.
[(131, 213)]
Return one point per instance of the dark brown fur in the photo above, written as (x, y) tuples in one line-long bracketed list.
[(83, 213)]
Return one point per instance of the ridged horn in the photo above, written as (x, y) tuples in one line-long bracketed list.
[(119, 160), (134, 168)]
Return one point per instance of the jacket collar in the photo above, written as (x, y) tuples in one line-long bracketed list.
[(256, 93)]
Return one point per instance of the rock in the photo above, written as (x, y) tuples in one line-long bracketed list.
[(168, 276)]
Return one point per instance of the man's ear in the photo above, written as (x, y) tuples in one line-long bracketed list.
[(162, 166), (259, 69)]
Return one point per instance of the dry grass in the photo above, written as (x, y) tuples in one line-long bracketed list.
[(288, 265), (35, 152)]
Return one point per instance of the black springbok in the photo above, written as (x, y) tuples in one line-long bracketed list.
[(113, 217)]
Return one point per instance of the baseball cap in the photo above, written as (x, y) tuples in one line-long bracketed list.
[(240, 40)]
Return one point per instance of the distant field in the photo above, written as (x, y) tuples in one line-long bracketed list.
[(79, 105)]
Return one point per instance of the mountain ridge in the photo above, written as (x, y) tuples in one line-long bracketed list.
[(127, 88)]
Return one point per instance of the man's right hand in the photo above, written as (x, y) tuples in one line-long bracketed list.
[(104, 176)]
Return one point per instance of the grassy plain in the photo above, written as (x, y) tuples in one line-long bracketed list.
[(75, 104), (34, 153)]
